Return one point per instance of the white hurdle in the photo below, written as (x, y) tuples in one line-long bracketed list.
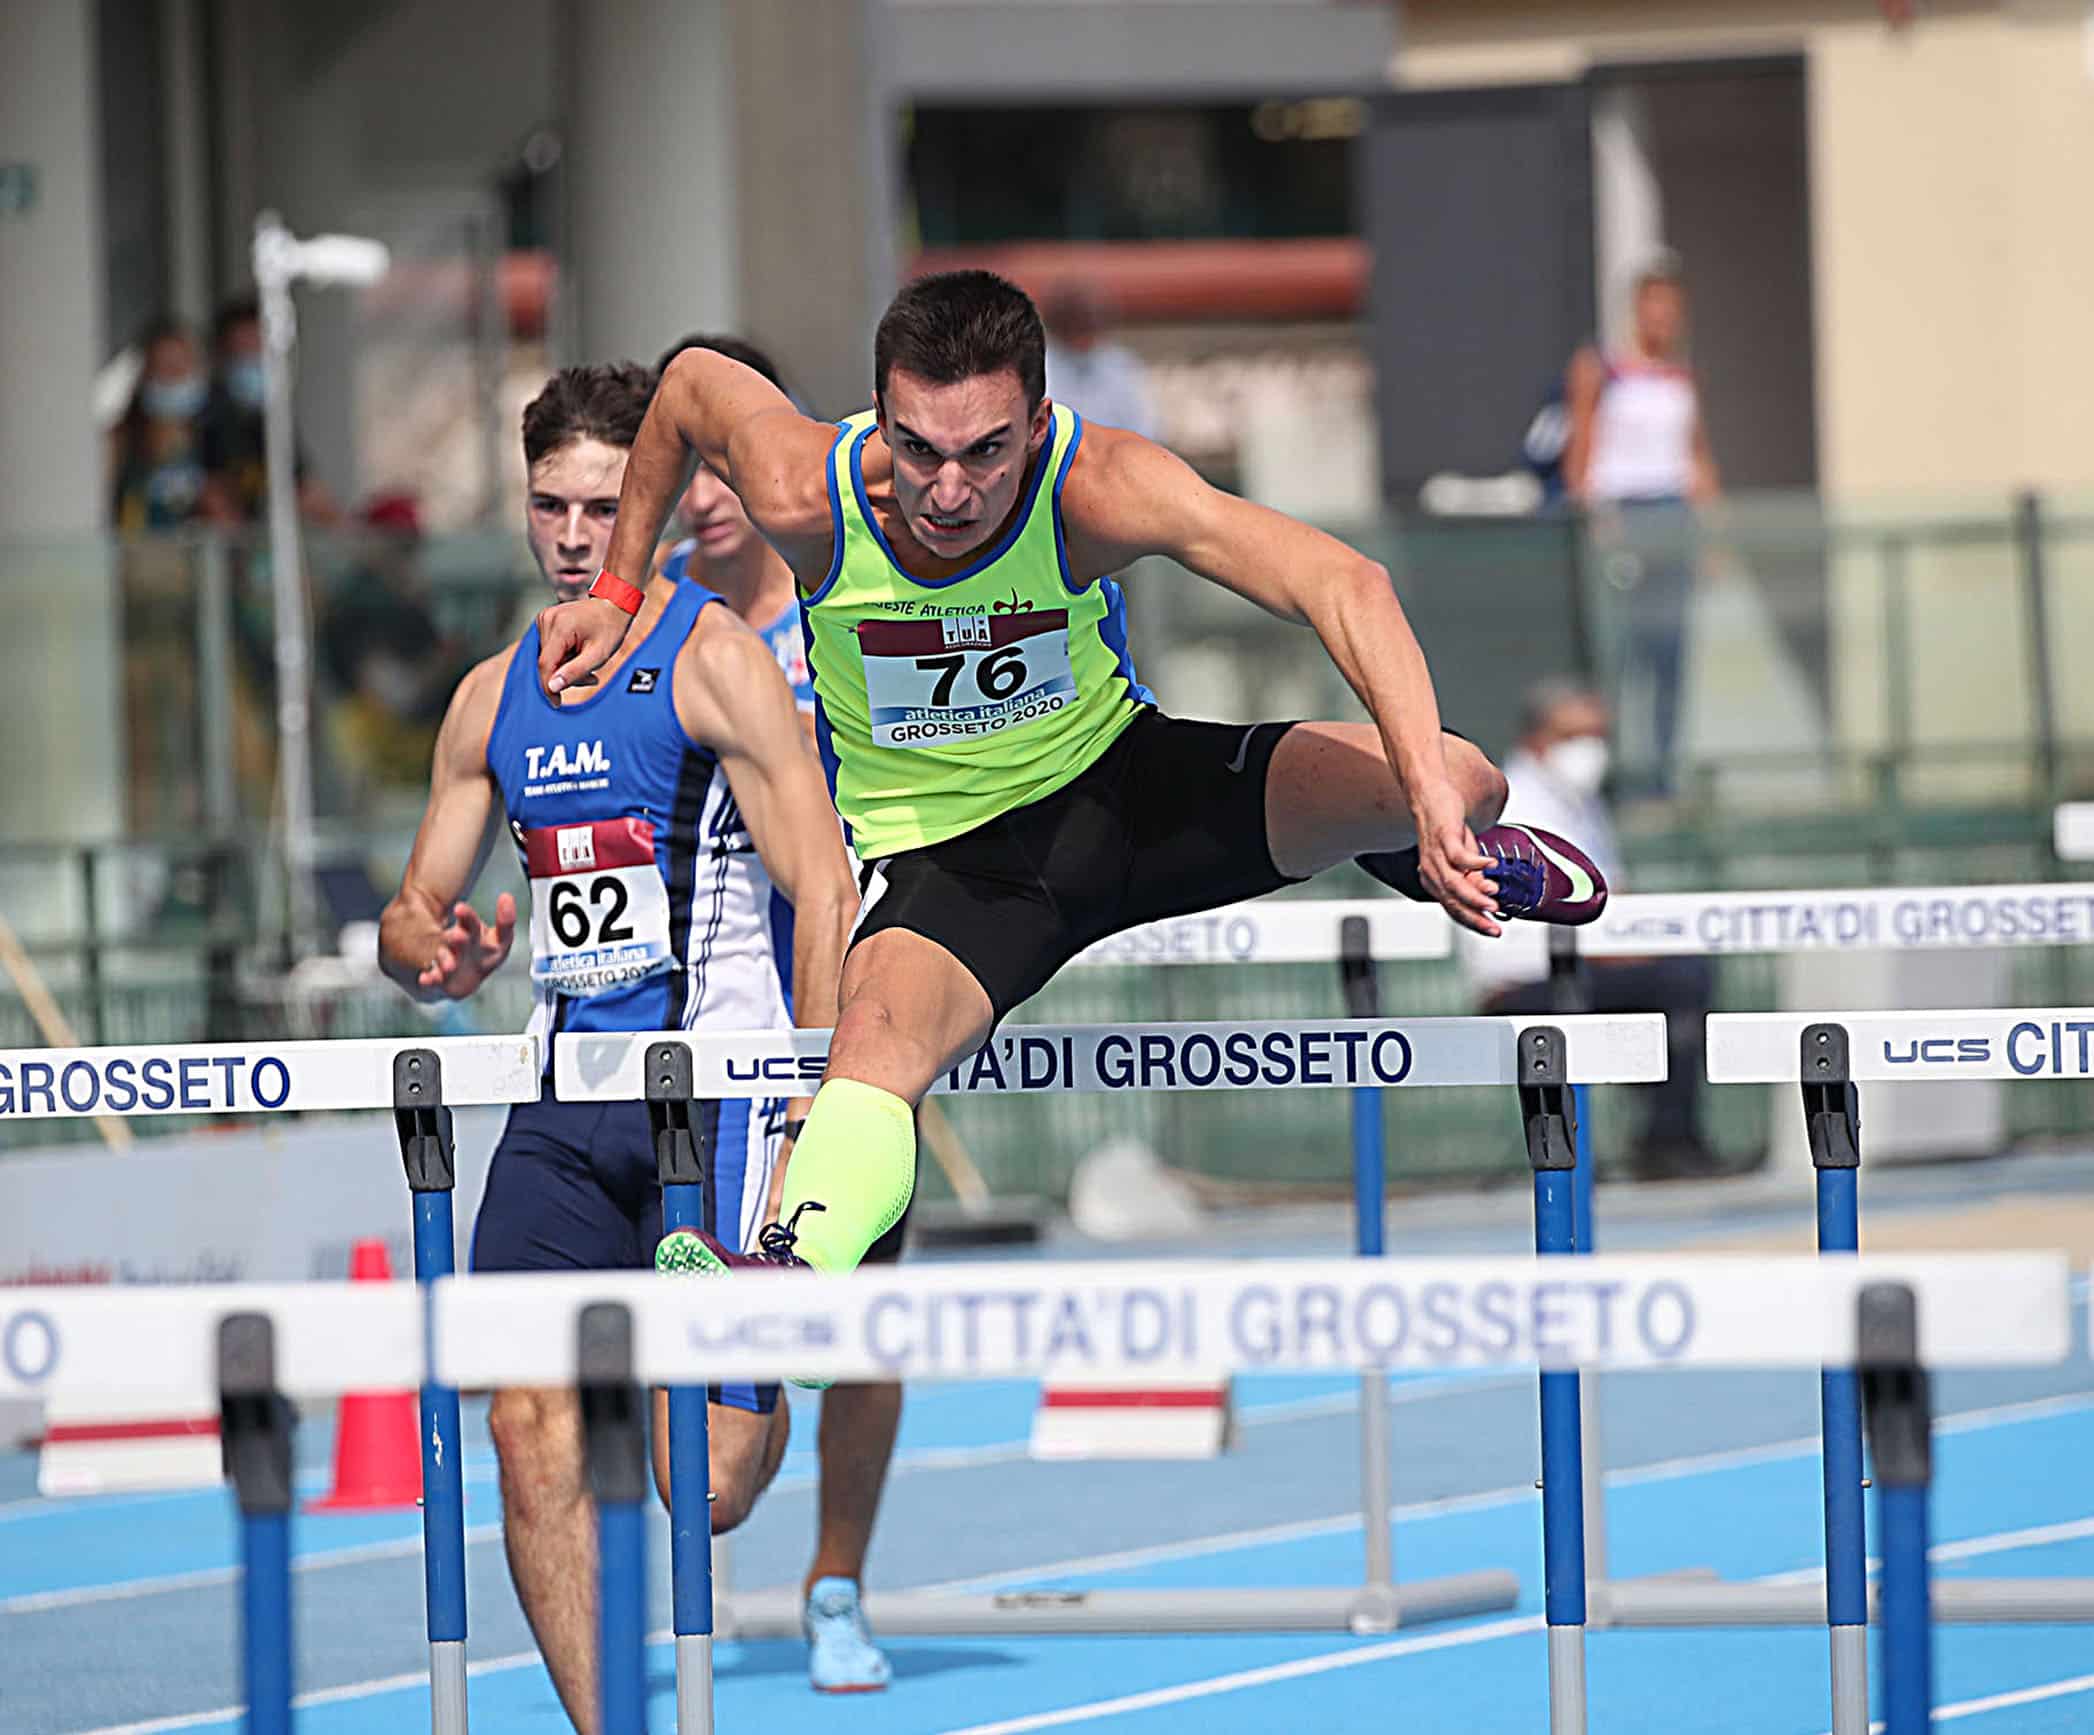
[(1289, 1054), (1767, 1048), (153, 1351), (245, 1346)]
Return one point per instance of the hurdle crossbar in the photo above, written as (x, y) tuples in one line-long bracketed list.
[(1004, 1321), (1362, 1052), (244, 1078), (1289, 1054)]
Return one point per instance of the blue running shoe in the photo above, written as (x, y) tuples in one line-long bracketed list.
[(1542, 877), (841, 1657)]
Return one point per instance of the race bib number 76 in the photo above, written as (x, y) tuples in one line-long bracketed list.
[(599, 907), (964, 676)]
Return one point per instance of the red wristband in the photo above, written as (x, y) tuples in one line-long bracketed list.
[(618, 593)]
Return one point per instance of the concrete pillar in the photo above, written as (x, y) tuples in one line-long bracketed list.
[(60, 778), (650, 169), (815, 139)]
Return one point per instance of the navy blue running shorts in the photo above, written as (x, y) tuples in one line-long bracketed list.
[(572, 1187)]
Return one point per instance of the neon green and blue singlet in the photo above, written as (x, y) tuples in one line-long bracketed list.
[(940, 705)]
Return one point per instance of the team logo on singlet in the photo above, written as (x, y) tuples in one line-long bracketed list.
[(643, 680), (564, 770)]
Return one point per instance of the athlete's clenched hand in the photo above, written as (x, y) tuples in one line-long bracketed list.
[(577, 638)]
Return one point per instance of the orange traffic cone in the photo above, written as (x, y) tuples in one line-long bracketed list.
[(377, 1451)]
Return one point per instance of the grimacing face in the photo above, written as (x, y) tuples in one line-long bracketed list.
[(960, 454), (570, 511)]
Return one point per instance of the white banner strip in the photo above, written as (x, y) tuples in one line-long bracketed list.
[(1297, 1054), (1918, 919), (1127, 1319), (1766, 1047), (2072, 831), (255, 1077), (1280, 931), (1132, 1319), (160, 1341)]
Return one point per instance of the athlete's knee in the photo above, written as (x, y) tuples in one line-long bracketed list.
[(1482, 784), (871, 1038), (745, 1452), (537, 1443)]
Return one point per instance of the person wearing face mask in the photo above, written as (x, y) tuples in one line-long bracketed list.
[(1555, 777), (160, 479), (233, 445)]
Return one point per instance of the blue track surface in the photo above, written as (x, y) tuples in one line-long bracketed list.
[(119, 1613)]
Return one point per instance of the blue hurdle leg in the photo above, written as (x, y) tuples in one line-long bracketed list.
[(1377, 1492), (265, 1620), (1894, 1386), (254, 1426), (1846, 1546), (690, 1514), (1908, 1660), (614, 1448), (1562, 1486), (621, 1541), (443, 1493)]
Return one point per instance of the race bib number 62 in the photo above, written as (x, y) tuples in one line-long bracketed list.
[(599, 907), (964, 676)]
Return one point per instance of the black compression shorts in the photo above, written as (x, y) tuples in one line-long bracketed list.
[(1171, 820)]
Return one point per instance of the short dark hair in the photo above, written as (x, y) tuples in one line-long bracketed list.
[(605, 401), (241, 310), (733, 348), (959, 325)]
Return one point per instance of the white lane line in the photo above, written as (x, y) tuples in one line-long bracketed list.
[(1294, 1671), (1665, 1470), (321, 1696), (1670, 1469), (2003, 1701), (1969, 1548), (1225, 1542), (1483, 1633), (2002, 1542), (2021, 1696), (37, 1602)]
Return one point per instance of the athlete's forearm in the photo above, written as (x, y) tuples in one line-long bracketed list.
[(1369, 638), (657, 471), (821, 931)]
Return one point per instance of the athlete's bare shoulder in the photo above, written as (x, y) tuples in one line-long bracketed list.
[(778, 463), (461, 742), (723, 662), (1122, 497)]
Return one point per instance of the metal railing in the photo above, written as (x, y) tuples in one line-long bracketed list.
[(1863, 698)]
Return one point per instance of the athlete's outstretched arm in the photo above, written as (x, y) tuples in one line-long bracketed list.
[(430, 941), (731, 695), (1127, 497), (708, 406)]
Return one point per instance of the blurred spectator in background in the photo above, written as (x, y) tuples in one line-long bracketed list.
[(157, 482), (386, 657), (235, 451), (1555, 774), (1638, 459), (1100, 380), (158, 477)]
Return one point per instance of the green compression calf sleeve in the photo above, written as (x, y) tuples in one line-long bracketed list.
[(856, 1159)]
